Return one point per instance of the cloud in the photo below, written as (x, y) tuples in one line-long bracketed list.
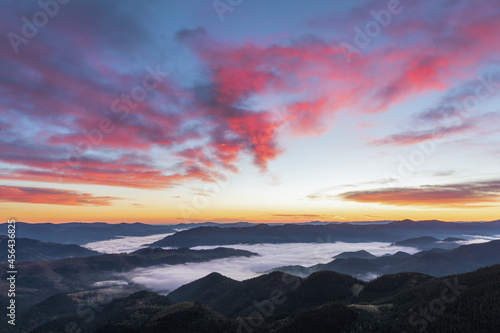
[(458, 112), (453, 195), (169, 277), (414, 137), (275, 180), (51, 196), (124, 244), (110, 283), (444, 173), (195, 127), (475, 239)]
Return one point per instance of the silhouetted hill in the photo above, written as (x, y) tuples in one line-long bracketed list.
[(358, 254), (53, 307), (463, 259), (239, 297), (386, 286), (428, 243), (333, 317), (83, 233), (403, 302), (462, 303), (453, 239), (204, 289), (145, 312), (345, 232), (184, 226), (324, 287), (34, 250), (400, 254), (42, 279)]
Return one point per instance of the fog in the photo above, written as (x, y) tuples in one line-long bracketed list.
[(166, 278), (124, 244), (475, 239)]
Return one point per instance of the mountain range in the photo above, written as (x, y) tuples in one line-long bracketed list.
[(38, 280), (83, 233), (278, 302), (311, 233), (34, 250), (436, 262), (429, 243)]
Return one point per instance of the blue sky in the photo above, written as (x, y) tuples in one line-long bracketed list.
[(283, 111)]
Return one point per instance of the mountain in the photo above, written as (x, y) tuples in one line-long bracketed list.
[(184, 226), (233, 298), (35, 250), (84, 302), (428, 243), (400, 254), (324, 302), (38, 280), (358, 254), (345, 232), (384, 287), (238, 296), (463, 259), (204, 289), (459, 303), (83, 233), (144, 312)]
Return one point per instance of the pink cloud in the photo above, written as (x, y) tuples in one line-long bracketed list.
[(74, 79), (51, 196), (452, 195)]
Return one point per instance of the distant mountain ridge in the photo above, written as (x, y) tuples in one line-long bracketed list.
[(428, 243), (293, 233), (83, 233), (34, 250), (358, 254), (463, 259), (77, 274)]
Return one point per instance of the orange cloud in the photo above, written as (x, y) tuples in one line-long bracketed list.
[(51, 196), (453, 195)]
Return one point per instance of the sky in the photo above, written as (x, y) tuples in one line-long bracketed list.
[(237, 110)]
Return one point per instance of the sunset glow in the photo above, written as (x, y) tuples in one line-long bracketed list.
[(271, 112)]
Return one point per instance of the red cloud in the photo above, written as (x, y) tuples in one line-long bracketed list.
[(453, 195), (72, 85), (51, 196)]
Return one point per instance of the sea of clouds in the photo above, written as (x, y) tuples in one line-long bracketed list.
[(475, 239), (124, 244), (166, 278)]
